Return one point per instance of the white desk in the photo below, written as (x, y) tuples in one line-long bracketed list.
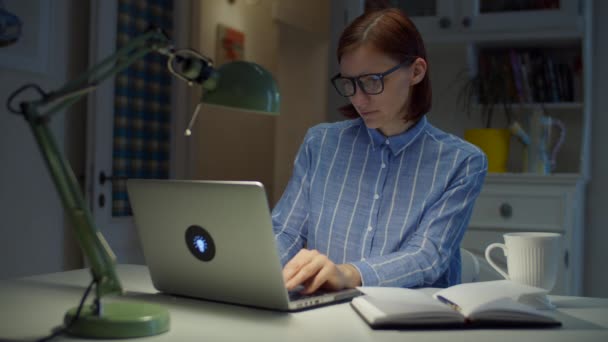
[(31, 307)]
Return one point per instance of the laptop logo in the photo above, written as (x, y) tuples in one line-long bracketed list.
[(199, 242)]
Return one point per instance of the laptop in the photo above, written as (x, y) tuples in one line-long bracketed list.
[(213, 240)]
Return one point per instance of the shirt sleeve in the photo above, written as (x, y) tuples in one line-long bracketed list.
[(290, 215), (425, 255)]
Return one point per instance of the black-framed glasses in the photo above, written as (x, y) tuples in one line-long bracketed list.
[(371, 84)]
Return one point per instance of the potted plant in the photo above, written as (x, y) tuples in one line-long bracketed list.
[(490, 92)]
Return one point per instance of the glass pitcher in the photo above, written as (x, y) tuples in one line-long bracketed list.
[(544, 143)]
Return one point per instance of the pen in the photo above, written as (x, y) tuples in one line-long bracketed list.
[(449, 303)]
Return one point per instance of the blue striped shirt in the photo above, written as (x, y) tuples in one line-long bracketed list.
[(395, 208)]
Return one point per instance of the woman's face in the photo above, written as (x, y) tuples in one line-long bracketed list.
[(384, 111)]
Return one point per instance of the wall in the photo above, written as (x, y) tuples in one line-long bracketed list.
[(34, 238), (290, 38), (303, 79), (342, 13), (230, 144), (596, 221)]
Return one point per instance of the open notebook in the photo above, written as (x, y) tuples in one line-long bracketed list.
[(492, 303)]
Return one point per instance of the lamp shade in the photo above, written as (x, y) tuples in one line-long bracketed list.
[(244, 86)]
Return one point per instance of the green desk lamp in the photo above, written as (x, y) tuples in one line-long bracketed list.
[(240, 85)]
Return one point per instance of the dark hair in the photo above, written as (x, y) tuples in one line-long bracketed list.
[(392, 32)]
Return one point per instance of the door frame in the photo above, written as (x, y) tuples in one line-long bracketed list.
[(120, 232)]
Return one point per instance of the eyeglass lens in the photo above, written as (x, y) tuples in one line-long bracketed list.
[(369, 84)]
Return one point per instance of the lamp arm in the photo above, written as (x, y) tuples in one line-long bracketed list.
[(90, 239), (95, 248)]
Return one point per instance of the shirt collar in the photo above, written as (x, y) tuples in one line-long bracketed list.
[(396, 143)]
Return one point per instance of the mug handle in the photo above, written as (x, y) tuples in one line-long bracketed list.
[(489, 258)]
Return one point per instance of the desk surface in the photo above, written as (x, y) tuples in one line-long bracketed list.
[(30, 307)]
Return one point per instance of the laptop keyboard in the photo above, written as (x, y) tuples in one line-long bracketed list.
[(297, 295)]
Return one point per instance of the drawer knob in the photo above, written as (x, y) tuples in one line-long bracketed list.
[(506, 211)]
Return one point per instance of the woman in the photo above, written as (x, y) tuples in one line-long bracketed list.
[(383, 199)]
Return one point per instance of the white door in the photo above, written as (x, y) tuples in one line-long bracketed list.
[(120, 231)]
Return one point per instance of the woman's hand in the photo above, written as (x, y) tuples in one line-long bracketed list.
[(314, 270)]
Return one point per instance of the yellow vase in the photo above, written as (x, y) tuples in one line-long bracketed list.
[(494, 142)]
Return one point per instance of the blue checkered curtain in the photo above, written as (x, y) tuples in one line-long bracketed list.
[(142, 103)]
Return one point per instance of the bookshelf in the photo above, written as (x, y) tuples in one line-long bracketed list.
[(542, 32), (529, 76), (549, 75)]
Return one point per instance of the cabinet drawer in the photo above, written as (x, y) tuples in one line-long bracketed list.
[(503, 210)]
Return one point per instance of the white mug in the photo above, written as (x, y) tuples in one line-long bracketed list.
[(532, 258)]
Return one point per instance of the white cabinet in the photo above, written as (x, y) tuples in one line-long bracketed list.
[(523, 202), (487, 17), (531, 203), (448, 21), (434, 19)]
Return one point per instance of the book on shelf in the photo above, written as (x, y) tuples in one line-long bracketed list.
[(481, 304), (525, 73), (532, 75), (517, 72)]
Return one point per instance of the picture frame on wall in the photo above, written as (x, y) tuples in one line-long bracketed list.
[(30, 52), (230, 45)]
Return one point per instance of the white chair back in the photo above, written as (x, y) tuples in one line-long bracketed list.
[(470, 266)]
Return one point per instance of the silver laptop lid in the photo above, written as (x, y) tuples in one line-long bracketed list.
[(209, 239)]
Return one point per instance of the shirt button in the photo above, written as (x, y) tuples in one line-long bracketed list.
[(387, 142), (376, 196), (383, 165), (369, 229)]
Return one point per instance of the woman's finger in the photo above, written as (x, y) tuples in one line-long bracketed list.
[(320, 278), (307, 271), (292, 267)]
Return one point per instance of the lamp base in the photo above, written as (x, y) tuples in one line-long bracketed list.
[(119, 320)]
